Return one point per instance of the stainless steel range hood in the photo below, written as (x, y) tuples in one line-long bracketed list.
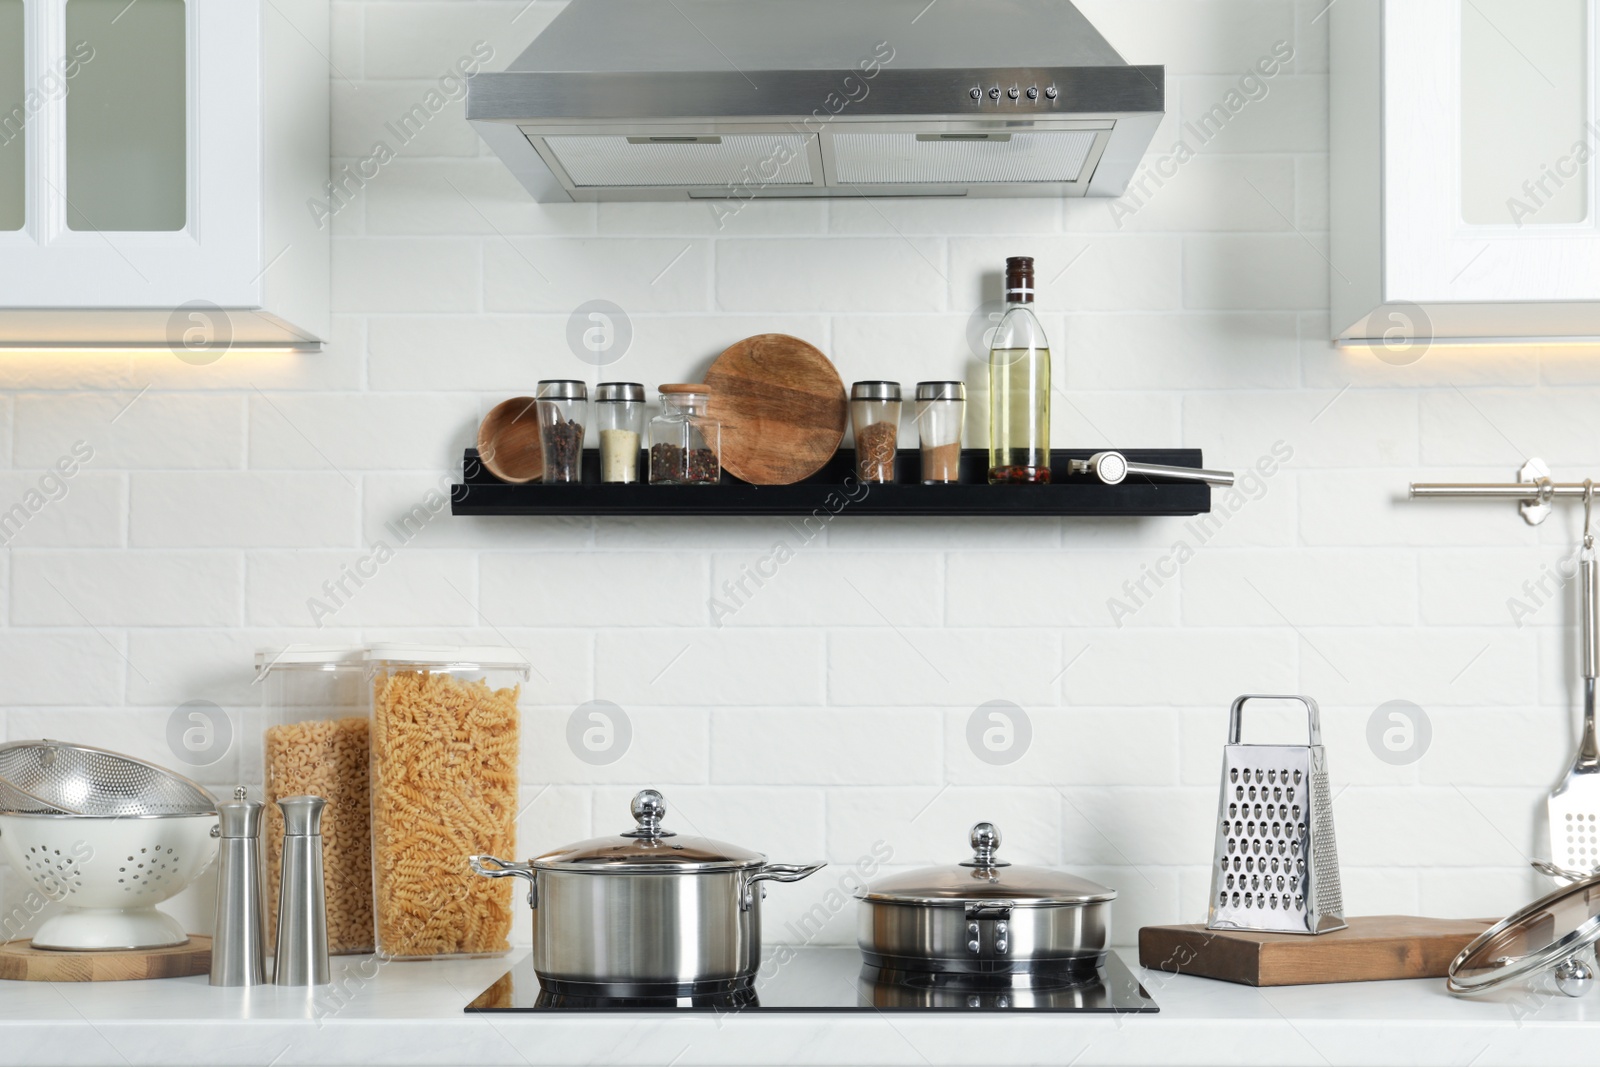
[(737, 99)]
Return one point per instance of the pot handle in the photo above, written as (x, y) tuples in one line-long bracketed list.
[(775, 872), (504, 869)]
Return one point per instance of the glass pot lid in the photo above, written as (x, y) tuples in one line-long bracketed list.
[(649, 848), (985, 878), (1546, 934)]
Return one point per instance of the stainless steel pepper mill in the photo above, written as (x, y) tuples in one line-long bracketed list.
[(238, 945), (302, 907)]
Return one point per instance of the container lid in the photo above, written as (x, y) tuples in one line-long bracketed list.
[(619, 392), (485, 657), (309, 657), (1531, 940), (875, 391), (676, 388), (649, 848), (563, 389), (941, 390), (985, 878)]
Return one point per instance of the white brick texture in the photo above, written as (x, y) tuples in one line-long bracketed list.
[(829, 701)]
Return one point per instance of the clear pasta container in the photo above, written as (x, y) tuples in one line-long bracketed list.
[(445, 747), (315, 741)]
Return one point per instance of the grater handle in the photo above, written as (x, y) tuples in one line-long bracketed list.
[(1313, 715)]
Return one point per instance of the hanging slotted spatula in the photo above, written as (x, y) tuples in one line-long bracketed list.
[(1574, 806)]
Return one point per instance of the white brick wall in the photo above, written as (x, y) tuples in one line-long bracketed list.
[(830, 709)]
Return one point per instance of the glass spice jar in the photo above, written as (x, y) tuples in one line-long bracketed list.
[(619, 420), (941, 409), (563, 409), (875, 412), (685, 441)]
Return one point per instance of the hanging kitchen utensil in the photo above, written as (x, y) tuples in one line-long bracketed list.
[(1276, 866), (1574, 805), (1554, 934), (782, 407)]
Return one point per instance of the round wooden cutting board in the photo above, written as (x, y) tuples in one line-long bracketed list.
[(20, 961), (782, 406)]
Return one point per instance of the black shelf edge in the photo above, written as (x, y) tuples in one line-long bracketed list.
[(829, 494)]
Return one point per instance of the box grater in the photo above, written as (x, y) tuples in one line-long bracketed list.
[(1276, 865)]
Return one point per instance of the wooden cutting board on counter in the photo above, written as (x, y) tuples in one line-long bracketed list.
[(782, 406), (20, 961), (1373, 948)]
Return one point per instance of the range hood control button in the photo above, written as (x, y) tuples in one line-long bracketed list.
[(1050, 92), (976, 94), (1033, 92), (1012, 92), (994, 92)]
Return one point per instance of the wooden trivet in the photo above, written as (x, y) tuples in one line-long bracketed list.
[(20, 961)]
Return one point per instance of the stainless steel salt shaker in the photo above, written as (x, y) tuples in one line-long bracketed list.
[(238, 945), (302, 907)]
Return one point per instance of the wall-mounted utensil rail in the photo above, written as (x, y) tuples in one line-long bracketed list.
[(1535, 490)]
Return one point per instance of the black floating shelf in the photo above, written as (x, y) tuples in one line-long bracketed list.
[(829, 492)]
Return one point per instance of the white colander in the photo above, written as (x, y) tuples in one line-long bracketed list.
[(103, 876)]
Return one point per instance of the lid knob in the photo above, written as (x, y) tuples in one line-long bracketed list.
[(649, 808), (985, 840)]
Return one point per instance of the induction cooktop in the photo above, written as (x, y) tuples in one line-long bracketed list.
[(836, 980)]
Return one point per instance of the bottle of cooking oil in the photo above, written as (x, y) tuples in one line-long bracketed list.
[(1019, 386)]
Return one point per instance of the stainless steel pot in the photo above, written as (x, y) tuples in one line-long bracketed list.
[(984, 916), (646, 912)]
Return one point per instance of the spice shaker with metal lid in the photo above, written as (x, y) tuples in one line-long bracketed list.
[(619, 421), (941, 410), (563, 405), (985, 916), (875, 411)]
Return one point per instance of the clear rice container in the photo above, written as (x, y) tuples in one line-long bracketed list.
[(314, 741), (445, 748)]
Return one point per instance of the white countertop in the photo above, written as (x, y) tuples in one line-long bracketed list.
[(410, 1013)]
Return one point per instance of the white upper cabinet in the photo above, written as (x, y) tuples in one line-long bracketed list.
[(1463, 190), (159, 163)]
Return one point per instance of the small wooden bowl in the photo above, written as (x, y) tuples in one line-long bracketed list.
[(508, 441)]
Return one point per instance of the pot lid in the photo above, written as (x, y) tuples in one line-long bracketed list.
[(649, 848), (985, 878), (1543, 935)]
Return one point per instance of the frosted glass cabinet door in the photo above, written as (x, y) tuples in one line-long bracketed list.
[(126, 116), (13, 118)]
